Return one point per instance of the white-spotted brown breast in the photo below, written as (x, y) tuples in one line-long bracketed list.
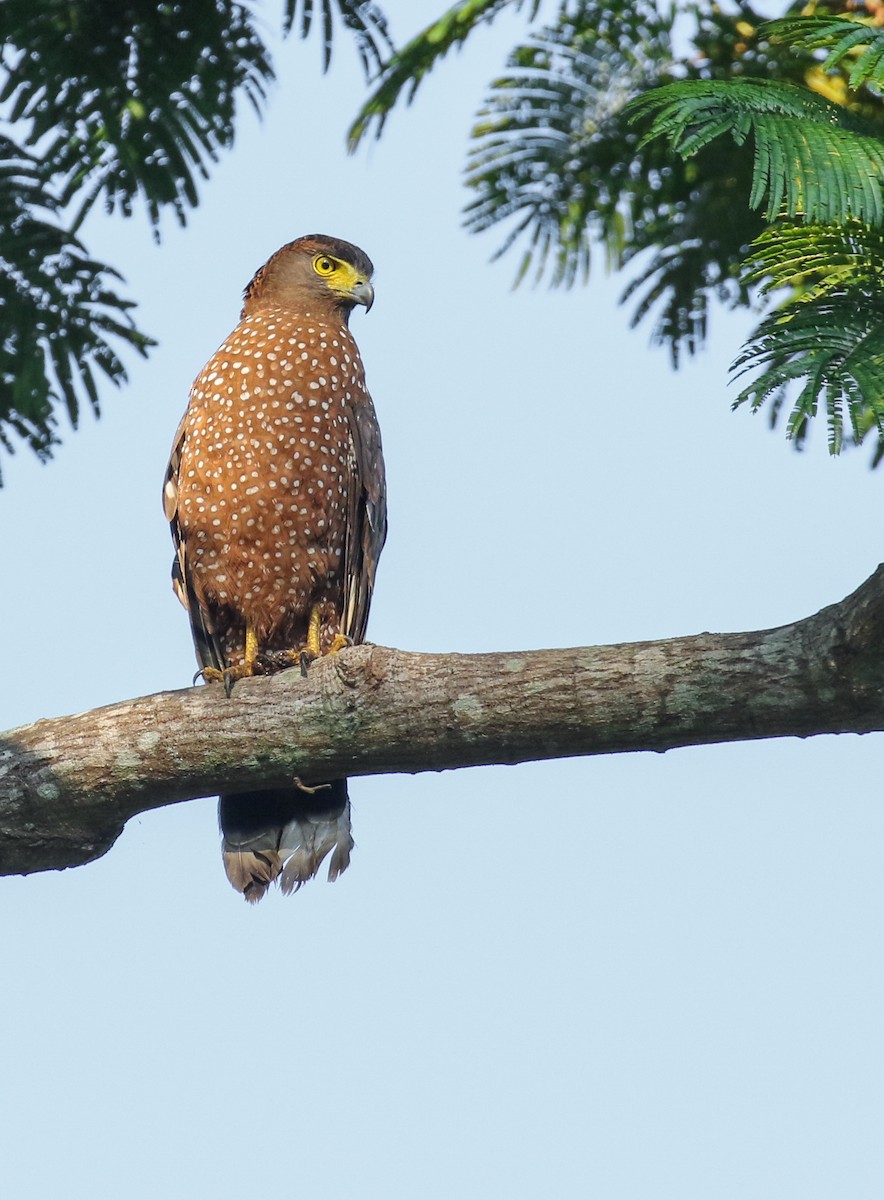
[(265, 471)]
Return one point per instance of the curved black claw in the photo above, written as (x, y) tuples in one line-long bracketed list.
[(228, 676), (272, 661), (208, 675)]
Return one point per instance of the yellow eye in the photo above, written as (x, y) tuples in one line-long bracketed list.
[(323, 265)]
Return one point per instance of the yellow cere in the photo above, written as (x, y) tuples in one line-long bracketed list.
[(340, 275)]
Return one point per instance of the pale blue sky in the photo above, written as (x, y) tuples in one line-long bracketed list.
[(624, 978)]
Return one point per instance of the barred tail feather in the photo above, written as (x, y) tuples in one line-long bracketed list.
[(284, 834)]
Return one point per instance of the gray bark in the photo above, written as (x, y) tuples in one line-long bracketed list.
[(69, 784)]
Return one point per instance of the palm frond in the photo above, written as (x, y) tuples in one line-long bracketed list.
[(851, 42), (678, 283), (550, 150), (402, 74), (812, 158), (362, 18), (60, 312), (832, 348), (131, 101), (555, 160), (817, 261)]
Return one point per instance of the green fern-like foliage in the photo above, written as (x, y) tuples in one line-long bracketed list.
[(818, 262), (551, 154), (819, 168), (404, 71), (132, 100), (812, 157), (850, 43), (62, 320), (135, 100), (826, 336), (558, 163), (831, 347), (596, 135), (361, 18)]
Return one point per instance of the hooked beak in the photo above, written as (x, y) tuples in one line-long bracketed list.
[(362, 293)]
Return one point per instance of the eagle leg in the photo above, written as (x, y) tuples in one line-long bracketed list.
[(242, 670), (278, 660), (312, 650)]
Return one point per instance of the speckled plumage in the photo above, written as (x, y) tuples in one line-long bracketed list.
[(265, 474), (276, 498)]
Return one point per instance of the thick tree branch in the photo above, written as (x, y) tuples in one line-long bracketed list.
[(68, 785)]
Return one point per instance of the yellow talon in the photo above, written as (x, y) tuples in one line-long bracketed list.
[(277, 660), (241, 671)]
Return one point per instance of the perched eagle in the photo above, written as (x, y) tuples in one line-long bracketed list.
[(276, 497)]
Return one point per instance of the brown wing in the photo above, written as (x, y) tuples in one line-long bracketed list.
[(208, 647), (367, 518)]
